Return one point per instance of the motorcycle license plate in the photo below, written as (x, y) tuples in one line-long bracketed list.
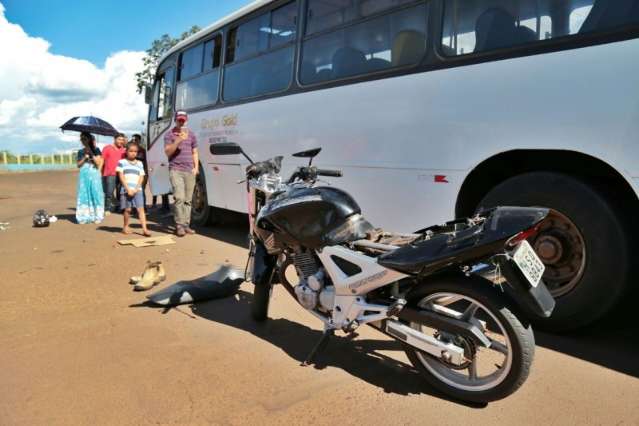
[(529, 263)]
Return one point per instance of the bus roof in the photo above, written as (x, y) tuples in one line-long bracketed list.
[(216, 26)]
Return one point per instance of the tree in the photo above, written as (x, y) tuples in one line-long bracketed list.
[(158, 48)]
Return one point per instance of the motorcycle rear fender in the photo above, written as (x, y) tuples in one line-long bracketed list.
[(535, 301)]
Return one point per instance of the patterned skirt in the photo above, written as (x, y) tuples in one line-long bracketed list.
[(90, 204)]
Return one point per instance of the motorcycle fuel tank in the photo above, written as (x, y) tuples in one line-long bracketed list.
[(313, 217)]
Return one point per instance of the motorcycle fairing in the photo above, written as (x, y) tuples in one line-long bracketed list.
[(312, 217), (470, 244)]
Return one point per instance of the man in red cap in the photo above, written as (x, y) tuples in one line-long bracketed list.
[(180, 147)]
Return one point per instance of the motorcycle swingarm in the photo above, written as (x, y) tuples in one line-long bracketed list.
[(418, 340), (443, 323)]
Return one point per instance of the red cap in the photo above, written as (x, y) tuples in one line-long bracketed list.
[(181, 115)]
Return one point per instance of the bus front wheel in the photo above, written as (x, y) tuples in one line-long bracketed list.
[(201, 212), (583, 244)]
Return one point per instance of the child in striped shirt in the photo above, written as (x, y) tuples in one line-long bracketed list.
[(131, 174)]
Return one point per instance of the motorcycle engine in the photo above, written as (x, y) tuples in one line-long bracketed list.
[(311, 289)]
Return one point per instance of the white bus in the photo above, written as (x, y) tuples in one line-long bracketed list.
[(432, 109)]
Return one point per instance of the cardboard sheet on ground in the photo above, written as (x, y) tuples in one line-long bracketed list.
[(162, 240), (224, 282)]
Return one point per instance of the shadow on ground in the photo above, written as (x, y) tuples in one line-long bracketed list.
[(232, 228), (612, 342), (359, 358)]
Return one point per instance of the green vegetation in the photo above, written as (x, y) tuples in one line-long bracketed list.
[(158, 48)]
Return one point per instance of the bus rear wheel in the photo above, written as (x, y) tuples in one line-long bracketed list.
[(583, 244), (201, 212)]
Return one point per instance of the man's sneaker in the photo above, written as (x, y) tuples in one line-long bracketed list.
[(189, 230), (179, 231)]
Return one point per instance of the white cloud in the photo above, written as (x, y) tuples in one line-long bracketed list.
[(39, 91)]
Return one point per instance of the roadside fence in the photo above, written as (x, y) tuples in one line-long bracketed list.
[(33, 162)]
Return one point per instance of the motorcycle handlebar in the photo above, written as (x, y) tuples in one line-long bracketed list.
[(310, 173)]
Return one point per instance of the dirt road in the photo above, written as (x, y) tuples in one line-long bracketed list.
[(76, 347)]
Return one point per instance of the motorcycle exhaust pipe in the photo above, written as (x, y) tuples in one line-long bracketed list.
[(447, 351)]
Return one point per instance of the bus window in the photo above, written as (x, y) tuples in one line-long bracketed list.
[(324, 14), (153, 109), (606, 15), (392, 40), (164, 93), (213, 53), (283, 26), (260, 52), (578, 17), (248, 39), (268, 73), (482, 25), (199, 87), (191, 62)]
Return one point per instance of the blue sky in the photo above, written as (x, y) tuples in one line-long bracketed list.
[(64, 58), (94, 29)]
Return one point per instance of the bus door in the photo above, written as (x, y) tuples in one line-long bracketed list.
[(160, 120)]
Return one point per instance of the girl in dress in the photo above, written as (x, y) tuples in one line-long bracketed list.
[(90, 204)]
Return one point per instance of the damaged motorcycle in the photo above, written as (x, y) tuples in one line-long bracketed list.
[(457, 296)]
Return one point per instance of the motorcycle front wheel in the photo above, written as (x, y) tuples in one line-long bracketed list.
[(487, 374), (261, 300)]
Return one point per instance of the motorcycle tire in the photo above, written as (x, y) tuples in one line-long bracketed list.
[(261, 300), (520, 342)]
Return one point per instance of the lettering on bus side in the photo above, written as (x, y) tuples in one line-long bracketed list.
[(229, 120), (226, 121), (210, 124)]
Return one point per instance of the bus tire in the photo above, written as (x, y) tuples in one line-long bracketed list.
[(584, 236), (201, 212)]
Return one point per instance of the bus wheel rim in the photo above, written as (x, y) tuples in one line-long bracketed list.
[(561, 247)]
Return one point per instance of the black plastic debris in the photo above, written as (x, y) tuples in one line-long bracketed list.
[(222, 283)]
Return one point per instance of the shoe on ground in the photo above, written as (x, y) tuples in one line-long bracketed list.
[(180, 232), (152, 276)]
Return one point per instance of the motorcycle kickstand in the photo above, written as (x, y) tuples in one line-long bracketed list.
[(320, 346)]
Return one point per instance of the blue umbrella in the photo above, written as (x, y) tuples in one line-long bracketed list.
[(89, 124)]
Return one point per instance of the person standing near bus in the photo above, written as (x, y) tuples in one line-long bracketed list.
[(180, 146), (111, 154), (137, 138)]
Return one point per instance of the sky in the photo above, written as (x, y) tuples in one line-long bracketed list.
[(63, 58)]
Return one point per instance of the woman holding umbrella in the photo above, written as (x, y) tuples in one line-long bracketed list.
[(90, 206), (90, 202)]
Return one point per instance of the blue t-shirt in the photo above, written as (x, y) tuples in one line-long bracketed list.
[(132, 171)]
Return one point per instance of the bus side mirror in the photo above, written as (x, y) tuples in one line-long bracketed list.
[(228, 148), (148, 94), (225, 148)]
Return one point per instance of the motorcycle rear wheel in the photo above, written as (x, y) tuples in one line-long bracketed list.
[(511, 355)]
